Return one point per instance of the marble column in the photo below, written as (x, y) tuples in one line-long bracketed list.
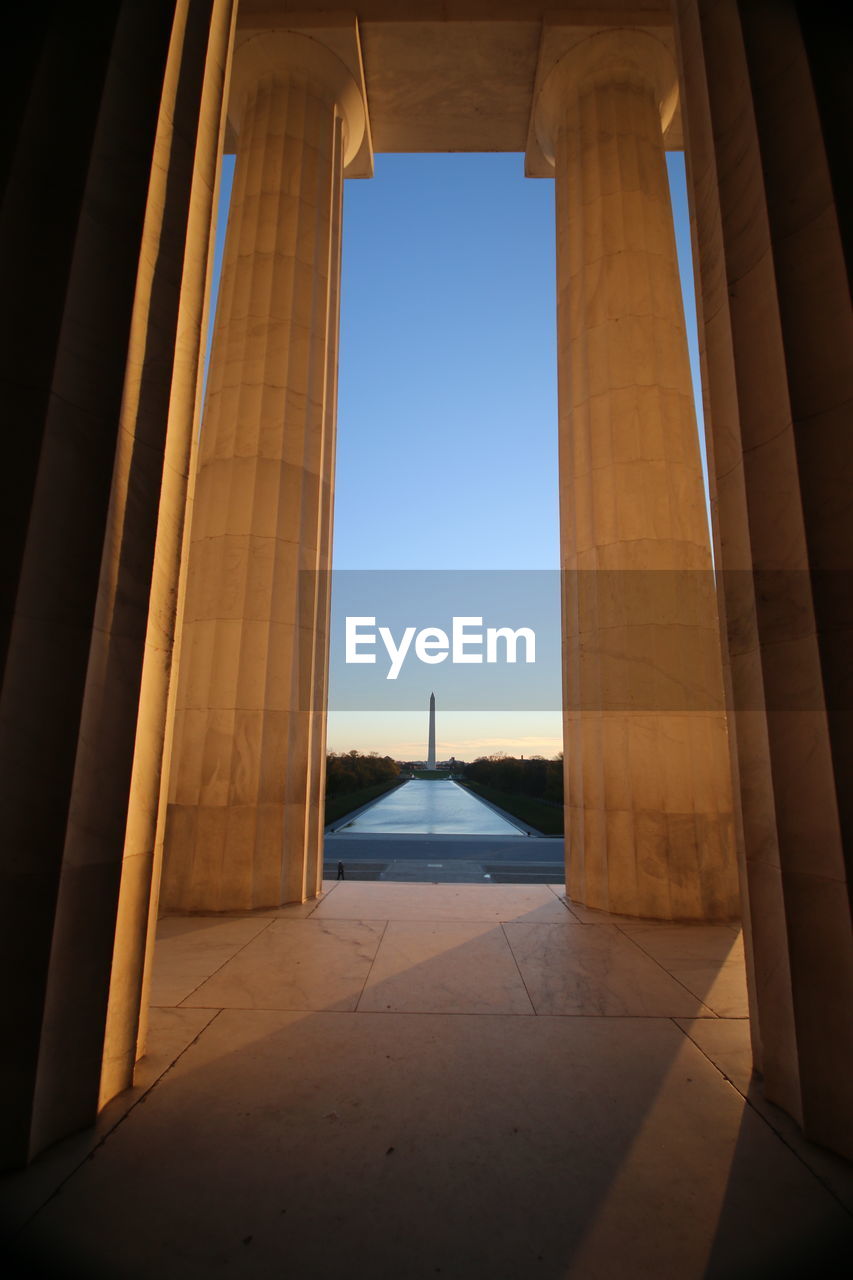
[(179, 223), (86, 377), (247, 757), (777, 347), (648, 784)]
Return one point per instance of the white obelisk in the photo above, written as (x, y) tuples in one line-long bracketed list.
[(431, 746)]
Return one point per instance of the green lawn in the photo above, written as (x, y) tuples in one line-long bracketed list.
[(543, 817), (339, 806)]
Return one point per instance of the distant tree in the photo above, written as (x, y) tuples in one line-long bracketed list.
[(352, 771), (534, 776)]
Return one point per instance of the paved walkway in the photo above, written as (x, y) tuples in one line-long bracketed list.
[(408, 1080), (514, 859)]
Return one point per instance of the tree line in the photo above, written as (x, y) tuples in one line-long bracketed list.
[(517, 776), (351, 771)]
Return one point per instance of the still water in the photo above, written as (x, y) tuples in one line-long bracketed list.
[(431, 808)]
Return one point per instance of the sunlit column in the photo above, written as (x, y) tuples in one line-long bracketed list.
[(194, 175), (648, 808), (247, 761)]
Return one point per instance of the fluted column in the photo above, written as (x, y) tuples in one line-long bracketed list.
[(649, 813), (778, 354), (89, 369), (246, 768), (195, 175)]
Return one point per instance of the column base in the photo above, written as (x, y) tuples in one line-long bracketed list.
[(653, 865), (228, 858)]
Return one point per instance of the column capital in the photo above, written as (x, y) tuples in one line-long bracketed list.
[(330, 58), (603, 56)]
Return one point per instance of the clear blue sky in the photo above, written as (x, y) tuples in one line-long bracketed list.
[(447, 442), (447, 413)]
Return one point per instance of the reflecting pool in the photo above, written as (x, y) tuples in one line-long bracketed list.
[(431, 808)]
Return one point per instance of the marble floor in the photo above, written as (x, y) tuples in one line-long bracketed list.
[(414, 1080)]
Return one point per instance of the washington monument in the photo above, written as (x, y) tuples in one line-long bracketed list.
[(431, 745)]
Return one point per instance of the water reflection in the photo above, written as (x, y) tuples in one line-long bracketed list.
[(431, 808)]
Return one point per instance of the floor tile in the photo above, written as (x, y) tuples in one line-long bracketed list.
[(191, 948), (296, 964), (462, 1143), (588, 915), (573, 969), (170, 1033), (445, 967), (677, 945), (386, 901), (726, 1042), (326, 1145), (287, 911), (707, 959)]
